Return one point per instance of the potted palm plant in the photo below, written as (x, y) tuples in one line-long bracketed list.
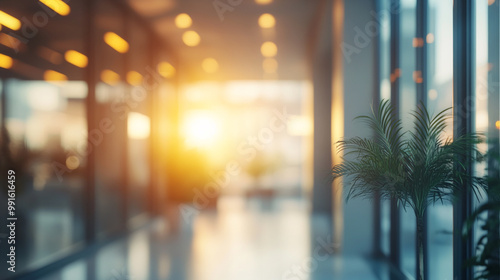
[(417, 167)]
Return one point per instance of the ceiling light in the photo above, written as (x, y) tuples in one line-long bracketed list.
[(183, 21), (116, 42), (9, 21), (6, 61), (269, 49), (166, 69), (76, 58), (267, 21), (57, 6), (54, 76), (191, 38), (134, 78), (110, 77), (210, 65), (263, 2)]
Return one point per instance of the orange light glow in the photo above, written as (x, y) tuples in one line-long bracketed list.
[(110, 77), (72, 162), (76, 58), (9, 41), (210, 65), (200, 128), (263, 2), (6, 61), (430, 38), (497, 124), (418, 42), (138, 126), (270, 65), (57, 6), (267, 21), (134, 78), (269, 49), (50, 55), (116, 42), (491, 2), (166, 69), (9, 21), (54, 76), (183, 21), (191, 38)]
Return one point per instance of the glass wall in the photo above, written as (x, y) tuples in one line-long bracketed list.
[(75, 122)]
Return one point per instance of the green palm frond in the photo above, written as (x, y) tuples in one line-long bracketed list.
[(418, 167)]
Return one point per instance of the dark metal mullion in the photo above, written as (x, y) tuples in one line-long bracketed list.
[(377, 211), (395, 254), (422, 87), (90, 188), (494, 102), (464, 72)]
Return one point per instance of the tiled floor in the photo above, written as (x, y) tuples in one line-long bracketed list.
[(242, 240)]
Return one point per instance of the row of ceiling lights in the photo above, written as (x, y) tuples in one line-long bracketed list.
[(268, 49), (73, 57)]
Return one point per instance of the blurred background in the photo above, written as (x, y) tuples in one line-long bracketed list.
[(169, 139)]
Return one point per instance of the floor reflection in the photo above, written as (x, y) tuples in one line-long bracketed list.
[(243, 239)]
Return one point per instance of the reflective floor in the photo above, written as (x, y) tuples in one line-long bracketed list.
[(243, 239)]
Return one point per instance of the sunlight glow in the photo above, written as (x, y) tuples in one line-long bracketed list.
[(183, 21), (191, 38), (57, 6), (9, 21), (200, 128), (76, 58), (116, 42), (138, 126)]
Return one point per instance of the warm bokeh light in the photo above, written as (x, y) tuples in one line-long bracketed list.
[(138, 126), (116, 42), (430, 38), (210, 65), (497, 124), (50, 55), (76, 58), (9, 41), (166, 69), (191, 38), (183, 20), (270, 65), (433, 94), (134, 78), (418, 42), (9, 21), (263, 2), (110, 77), (57, 6), (6, 61), (267, 21), (54, 76), (491, 2), (72, 162), (269, 49), (200, 128)]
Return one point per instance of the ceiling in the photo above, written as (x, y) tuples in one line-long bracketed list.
[(233, 37)]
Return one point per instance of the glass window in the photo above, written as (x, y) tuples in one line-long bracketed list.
[(439, 42), (44, 129)]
